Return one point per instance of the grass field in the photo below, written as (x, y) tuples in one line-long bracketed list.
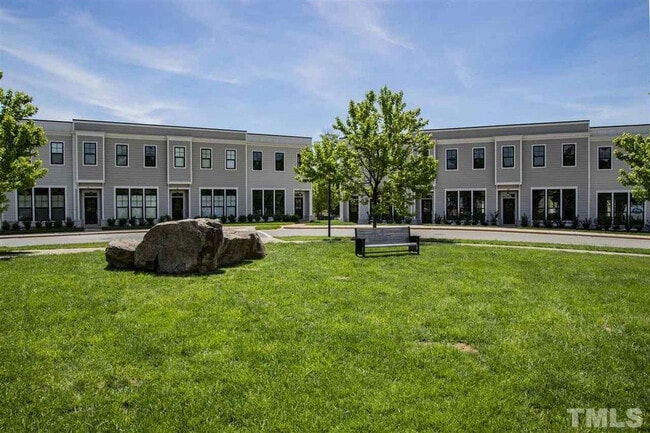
[(313, 339)]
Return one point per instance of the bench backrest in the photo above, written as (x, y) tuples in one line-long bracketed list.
[(383, 235)]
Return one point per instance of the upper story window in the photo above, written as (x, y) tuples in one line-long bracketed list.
[(478, 158), (508, 156), (452, 159), (206, 158), (121, 155), (539, 156), (231, 159), (90, 153), (298, 160), (56, 153), (605, 158), (279, 161), (568, 155), (257, 160), (150, 156), (179, 156)]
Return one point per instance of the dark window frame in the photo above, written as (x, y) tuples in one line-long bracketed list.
[(509, 158), (90, 152), (121, 159), (604, 162), (148, 158), (566, 146), (231, 159), (537, 157), (454, 159), (179, 160), (205, 158), (257, 160), (479, 159), (60, 160), (279, 162)]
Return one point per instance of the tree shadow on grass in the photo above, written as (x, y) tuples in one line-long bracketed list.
[(110, 268)]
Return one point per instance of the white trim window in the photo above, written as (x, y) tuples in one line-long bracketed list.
[(268, 202), (605, 158), (121, 155), (56, 153), (257, 160), (150, 160), (478, 158), (466, 205), (507, 156), (48, 204), (218, 203), (90, 153), (555, 204), (539, 156), (179, 156), (231, 159), (451, 157), (206, 158), (279, 161), (136, 203), (568, 154)]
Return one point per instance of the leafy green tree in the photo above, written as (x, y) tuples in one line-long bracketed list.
[(321, 196), (20, 140), (635, 151), (321, 166), (387, 160)]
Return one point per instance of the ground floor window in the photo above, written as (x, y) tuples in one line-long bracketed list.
[(136, 203), (41, 204), (218, 203), (268, 202), (465, 205), (619, 207), (554, 204)]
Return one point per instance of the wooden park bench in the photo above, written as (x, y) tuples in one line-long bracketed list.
[(385, 237)]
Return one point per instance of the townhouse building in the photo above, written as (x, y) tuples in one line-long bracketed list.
[(540, 171), (99, 170)]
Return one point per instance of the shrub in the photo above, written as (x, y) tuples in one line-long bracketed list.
[(6, 226), (111, 222), (38, 224), (150, 221), (575, 222), (121, 222), (131, 221), (58, 224), (586, 223), (256, 217), (295, 218), (437, 219), (250, 217), (265, 217), (142, 222), (27, 224), (69, 223), (164, 218), (277, 217), (524, 220), (242, 218), (232, 218), (15, 225), (494, 218), (49, 224), (548, 223)]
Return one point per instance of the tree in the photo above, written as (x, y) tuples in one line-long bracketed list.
[(320, 198), (20, 140), (635, 151), (321, 165), (387, 160)]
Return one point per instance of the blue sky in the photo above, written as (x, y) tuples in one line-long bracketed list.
[(290, 67)]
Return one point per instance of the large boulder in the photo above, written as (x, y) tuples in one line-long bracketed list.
[(240, 245), (177, 247), (120, 253)]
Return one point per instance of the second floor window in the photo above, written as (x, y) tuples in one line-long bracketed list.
[(206, 158), (539, 156), (150, 156), (279, 161), (231, 159), (604, 158), (568, 155), (508, 156), (179, 157), (452, 159), (257, 160), (298, 160), (90, 153), (56, 153), (121, 155), (479, 158)]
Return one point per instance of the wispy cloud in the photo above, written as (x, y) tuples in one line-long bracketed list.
[(458, 59), (362, 18), (323, 72)]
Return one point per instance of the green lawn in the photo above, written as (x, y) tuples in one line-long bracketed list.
[(314, 339)]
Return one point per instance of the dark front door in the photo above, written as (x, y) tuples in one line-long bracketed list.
[(178, 211), (427, 211), (90, 211), (297, 206), (353, 209), (509, 211)]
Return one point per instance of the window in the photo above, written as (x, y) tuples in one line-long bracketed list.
[(206, 203), (90, 153), (150, 203), (617, 208), (279, 161), (507, 156), (231, 159), (298, 160), (122, 203), (605, 158), (554, 204), (121, 155), (57, 204), (479, 158), (539, 156), (268, 202), (179, 157), (257, 160), (150, 156), (465, 205), (568, 155), (452, 159), (218, 203), (206, 159), (56, 153), (42, 204), (231, 202), (219, 200), (136, 203), (25, 206)]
